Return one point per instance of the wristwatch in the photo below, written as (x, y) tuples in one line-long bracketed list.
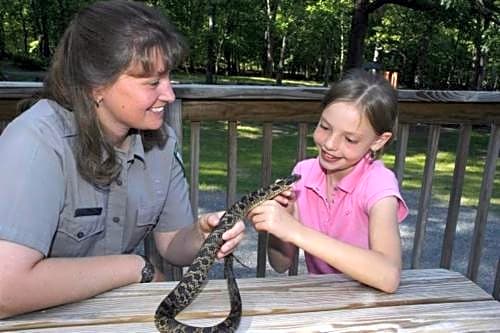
[(148, 271)]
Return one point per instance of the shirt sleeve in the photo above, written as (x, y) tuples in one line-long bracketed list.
[(382, 183), (177, 212), (32, 186)]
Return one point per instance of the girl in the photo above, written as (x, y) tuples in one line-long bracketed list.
[(91, 168), (346, 207)]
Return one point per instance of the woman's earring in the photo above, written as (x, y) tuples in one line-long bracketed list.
[(373, 154), (98, 102)]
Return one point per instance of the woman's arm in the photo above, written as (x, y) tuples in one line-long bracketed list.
[(181, 246), (30, 282)]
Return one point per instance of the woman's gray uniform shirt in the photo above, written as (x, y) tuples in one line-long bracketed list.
[(47, 206)]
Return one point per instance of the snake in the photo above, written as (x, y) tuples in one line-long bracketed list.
[(191, 283)]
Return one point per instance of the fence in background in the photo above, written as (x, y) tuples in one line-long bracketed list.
[(271, 105)]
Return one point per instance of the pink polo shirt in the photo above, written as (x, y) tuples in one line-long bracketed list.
[(346, 217)]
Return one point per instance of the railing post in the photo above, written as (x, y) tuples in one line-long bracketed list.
[(195, 167), (455, 194), (425, 194), (496, 287), (484, 202), (401, 148), (266, 172), (174, 119), (232, 163), (301, 154)]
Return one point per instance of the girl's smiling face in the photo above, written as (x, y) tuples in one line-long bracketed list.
[(135, 101), (343, 136)]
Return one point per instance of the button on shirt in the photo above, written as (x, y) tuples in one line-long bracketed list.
[(47, 206), (345, 217)]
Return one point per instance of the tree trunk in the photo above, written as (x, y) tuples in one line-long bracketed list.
[(211, 47), (279, 74), (45, 47), (271, 8), (3, 51), (25, 30), (359, 26), (480, 57)]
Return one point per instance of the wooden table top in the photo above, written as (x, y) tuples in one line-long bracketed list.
[(430, 300)]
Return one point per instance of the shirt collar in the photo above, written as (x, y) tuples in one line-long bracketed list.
[(316, 179), (136, 149), (66, 117), (349, 182), (69, 129)]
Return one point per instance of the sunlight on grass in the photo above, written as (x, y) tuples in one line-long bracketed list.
[(215, 169), (249, 132), (209, 187)]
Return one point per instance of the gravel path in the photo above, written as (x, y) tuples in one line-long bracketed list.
[(247, 251)]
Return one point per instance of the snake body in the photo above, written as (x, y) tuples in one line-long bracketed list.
[(192, 281)]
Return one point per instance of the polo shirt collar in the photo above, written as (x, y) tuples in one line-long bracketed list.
[(316, 179), (349, 182)]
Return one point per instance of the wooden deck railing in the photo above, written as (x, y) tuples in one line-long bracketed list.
[(270, 105)]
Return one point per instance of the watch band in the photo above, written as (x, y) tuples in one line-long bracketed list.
[(148, 271)]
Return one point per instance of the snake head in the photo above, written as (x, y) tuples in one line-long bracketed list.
[(280, 185), (287, 181)]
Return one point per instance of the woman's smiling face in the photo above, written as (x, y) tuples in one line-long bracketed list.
[(134, 101)]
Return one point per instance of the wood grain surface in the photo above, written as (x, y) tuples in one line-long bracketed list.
[(430, 299)]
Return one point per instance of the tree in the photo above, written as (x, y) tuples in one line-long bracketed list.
[(359, 24), (271, 7)]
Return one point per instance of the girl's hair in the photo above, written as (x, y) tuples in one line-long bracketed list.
[(373, 95), (102, 42)]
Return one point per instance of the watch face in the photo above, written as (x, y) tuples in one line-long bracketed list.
[(148, 272)]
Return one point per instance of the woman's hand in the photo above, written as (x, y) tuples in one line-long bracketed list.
[(232, 237)]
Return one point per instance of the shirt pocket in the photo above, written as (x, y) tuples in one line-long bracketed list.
[(147, 218), (77, 236), (148, 214)]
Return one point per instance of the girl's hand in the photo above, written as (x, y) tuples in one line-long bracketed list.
[(232, 237), (271, 216), (286, 199)]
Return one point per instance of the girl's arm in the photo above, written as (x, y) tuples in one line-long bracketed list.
[(280, 252), (379, 266)]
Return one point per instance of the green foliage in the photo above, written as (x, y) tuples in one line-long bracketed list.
[(433, 49), (29, 63)]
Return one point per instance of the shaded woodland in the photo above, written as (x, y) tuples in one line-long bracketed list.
[(431, 44)]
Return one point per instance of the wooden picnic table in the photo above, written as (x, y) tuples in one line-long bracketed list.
[(430, 300)]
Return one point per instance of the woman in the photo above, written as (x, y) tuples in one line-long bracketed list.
[(96, 167)]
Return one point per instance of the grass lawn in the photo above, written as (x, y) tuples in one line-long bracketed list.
[(213, 159)]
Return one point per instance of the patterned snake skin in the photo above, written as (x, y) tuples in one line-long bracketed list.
[(191, 283)]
